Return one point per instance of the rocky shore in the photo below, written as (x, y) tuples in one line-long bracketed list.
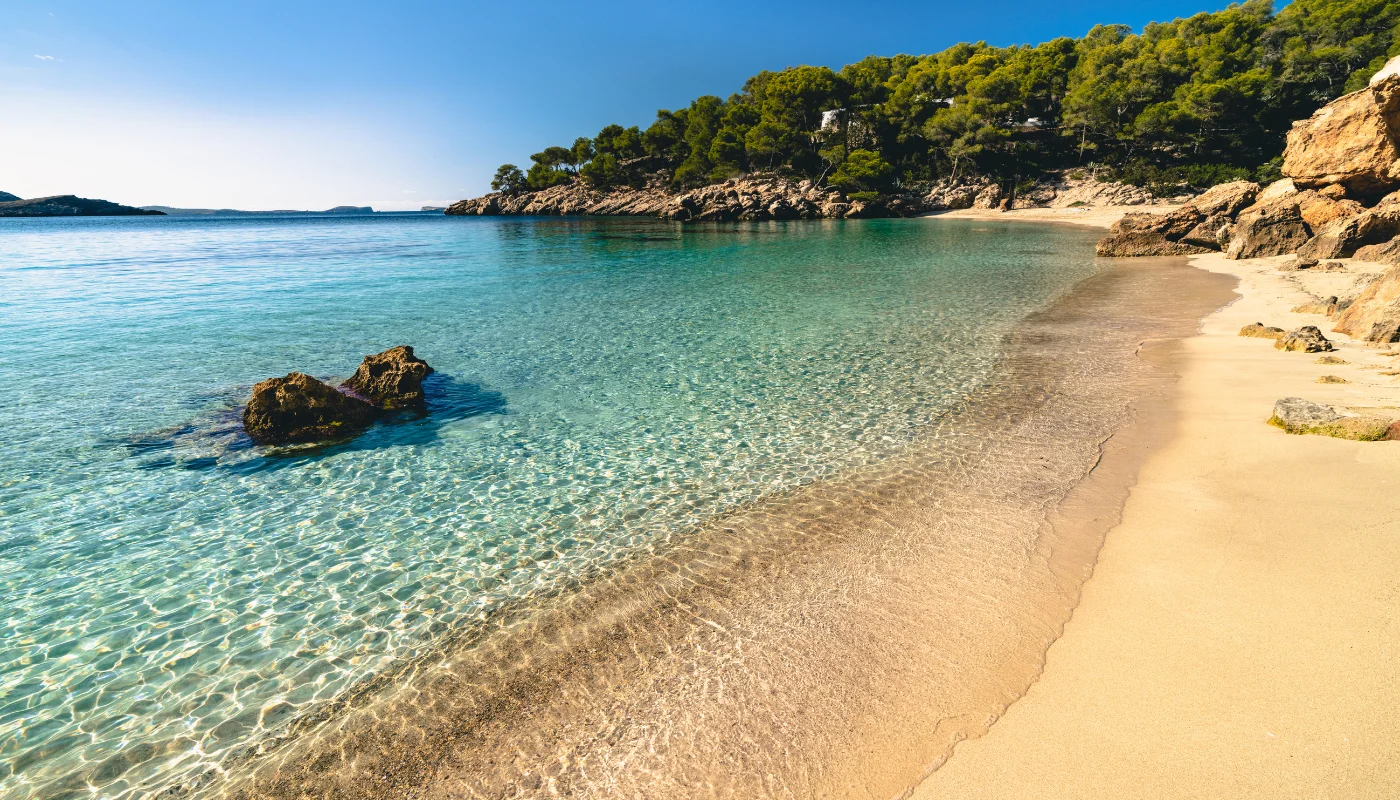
[(760, 197)]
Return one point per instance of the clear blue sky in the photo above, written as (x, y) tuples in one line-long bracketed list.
[(313, 104)]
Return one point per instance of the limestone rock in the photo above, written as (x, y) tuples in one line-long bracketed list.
[(1297, 263), (1345, 142), (1226, 199), (1332, 379), (1333, 360), (1277, 190), (1317, 209), (1259, 330), (298, 408), (1151, 235), (1072, 193), (1375, 313), (1269, 230), (950, 196), (392, 379), (1318, 305), (988, 197), (1384, 253), (1307, 339), (1298, 416), (1343, 237)]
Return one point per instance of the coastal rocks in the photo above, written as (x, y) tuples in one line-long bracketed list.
[(1073, 193), (1318, 209), (1343, 237), (748, 198), (1269, 230), (1200, 226), (1307, 339), (298, 408), (1259, 330), (1332, 379), (1374, 315), (951, 196), (67, 205), (988, 197), (392, 379), (1296, 263), (1298, 416), (1384, 253), (1348, 142), (1318, 305)]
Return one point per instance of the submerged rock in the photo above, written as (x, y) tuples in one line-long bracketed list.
[(1298, 416), (1307, 339), (392, 379), (298, 408)]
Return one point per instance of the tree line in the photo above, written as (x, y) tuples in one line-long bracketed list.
[(1194, 101)]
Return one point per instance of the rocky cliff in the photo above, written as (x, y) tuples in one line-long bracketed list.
[(67, 205), (750, 198)]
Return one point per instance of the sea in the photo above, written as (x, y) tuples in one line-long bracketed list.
[(178, 602)]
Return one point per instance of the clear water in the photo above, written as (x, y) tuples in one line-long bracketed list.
[(174, 595)]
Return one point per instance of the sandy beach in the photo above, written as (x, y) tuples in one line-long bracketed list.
[(1239, 636)]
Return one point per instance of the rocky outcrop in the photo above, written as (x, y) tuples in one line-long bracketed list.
[(298, 408), (1272, 229), (1073, 193), (1318, 305), (1343, 237), (1200, 226), (1318, 209), (1384, 253), (1374, 315), (1349, 141), (392, 379), (1259, 330), (1307, 339), (750, 198), (67, 205), (1298, 416)]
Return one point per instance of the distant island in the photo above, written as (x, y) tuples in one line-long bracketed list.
[(67, 205), (232, 212), (1175, 109)]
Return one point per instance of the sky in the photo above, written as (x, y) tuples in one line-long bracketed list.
[(308, 105)]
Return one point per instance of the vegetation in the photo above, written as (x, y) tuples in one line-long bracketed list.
[(1194, 101)]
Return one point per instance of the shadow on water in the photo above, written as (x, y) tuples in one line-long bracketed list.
[(214, 438)]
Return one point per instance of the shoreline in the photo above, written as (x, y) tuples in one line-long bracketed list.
[(1238, 636), (734, 660)]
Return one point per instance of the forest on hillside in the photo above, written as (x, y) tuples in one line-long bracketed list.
[(1191, 102)]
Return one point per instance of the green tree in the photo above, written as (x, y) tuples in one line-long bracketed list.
[(863, 171), (508, 180)]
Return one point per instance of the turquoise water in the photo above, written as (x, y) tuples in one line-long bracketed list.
[(174, 595)]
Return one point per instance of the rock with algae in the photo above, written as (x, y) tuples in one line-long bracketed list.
[(1298, 416)]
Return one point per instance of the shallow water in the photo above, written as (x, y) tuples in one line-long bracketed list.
[(176, 596)]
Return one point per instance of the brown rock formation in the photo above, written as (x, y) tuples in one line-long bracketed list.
[(1298, 416), (1384, 253), (1259, 330), (392, 379), (1307, 339), (1268, 230), (298, 408), (1197, 227), (1343, 237), (1349, 141), (1375, 314)]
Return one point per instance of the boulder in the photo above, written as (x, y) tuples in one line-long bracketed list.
[(1212, 233), (1375, 313), (1343, 237), (1347, 142), (298, 408), (1318, 305), (1277, 190), (1269, 230), (1259, 330), (1332, 379), (1298, 416), (1317, 209), (1226, 199), (1089, 191), (1307, 339), (1297, 263), (392, 379), (1152, 235), (1384, 253), (988, 197)]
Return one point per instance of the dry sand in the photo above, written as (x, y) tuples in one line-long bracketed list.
[(1092, 216), (1240, 636)]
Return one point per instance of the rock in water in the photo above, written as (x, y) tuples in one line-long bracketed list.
[(298, 408), (1307, 339), (1299, 416), (392, 379)]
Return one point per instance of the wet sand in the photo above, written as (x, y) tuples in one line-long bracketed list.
[(1090, 216), (835, 641), (1240, 636)]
